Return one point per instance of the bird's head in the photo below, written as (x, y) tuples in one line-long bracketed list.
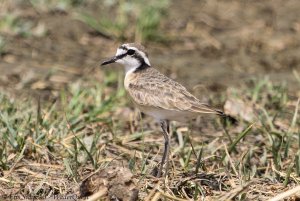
[(131, 55)]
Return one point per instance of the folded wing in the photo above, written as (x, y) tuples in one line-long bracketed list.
[(168, 95)]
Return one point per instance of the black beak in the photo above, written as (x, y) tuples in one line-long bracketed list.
[(109, 61), (113, 59)]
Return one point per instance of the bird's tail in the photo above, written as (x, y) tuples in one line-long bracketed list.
[(206, 109), (227, 117)]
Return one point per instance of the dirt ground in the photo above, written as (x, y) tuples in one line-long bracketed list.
[(212, 43), (209, 46)]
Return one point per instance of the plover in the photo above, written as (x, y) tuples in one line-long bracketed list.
[(156, 94)]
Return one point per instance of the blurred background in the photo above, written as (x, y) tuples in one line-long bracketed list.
[(45, 44)]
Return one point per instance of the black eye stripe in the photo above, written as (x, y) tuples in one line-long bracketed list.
[(121, 56)]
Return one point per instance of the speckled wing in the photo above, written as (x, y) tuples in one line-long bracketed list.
[(162, 92)]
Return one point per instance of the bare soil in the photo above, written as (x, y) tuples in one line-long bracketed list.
[(212, 43)]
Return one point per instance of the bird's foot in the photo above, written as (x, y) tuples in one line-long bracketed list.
[(156, 172)]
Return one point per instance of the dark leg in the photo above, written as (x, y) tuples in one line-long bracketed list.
[(165, 128), (168, 126)]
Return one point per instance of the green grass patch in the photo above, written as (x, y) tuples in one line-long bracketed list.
[(138, 20)]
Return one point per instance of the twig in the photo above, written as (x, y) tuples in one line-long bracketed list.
[(286, 194), (152, 192), (156, 196), (98, 195), (235, 192), (170, 196), (283, 174), (230, 161)]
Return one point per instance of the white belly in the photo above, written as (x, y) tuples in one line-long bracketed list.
[(172, 115)]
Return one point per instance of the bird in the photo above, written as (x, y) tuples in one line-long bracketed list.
[(157, 95)]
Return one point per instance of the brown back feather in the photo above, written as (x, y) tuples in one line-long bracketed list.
[(151, 88)]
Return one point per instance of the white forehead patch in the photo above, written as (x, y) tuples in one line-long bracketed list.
[(120, 51)]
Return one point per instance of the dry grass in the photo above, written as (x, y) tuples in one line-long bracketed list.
[(48, 148)]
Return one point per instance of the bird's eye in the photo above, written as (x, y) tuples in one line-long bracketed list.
[(130, 52)]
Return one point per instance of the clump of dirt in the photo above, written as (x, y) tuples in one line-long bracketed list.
[(118, 182)]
